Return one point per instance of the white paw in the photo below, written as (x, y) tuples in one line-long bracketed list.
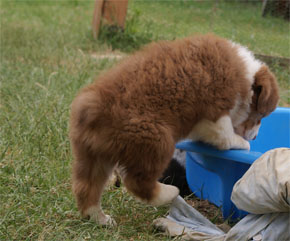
[(97, 215), (166, 194), (224, 145), (107, 220), (160, 224), (237, 143), (246, 145), (241, 143), (171, 228)]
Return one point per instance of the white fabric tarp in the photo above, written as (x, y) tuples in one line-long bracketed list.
[(264, 192)]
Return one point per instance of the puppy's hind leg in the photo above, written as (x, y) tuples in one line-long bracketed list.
[(90, 174), (164, 194), (150, 191), (142, 172)]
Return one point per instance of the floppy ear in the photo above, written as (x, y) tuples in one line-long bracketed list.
[(266, 90)]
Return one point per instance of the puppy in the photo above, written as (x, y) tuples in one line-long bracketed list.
[(204, 87)]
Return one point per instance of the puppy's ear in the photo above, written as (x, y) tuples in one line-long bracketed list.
[(266, 91)]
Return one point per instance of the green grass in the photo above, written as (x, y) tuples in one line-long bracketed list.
[(46, 57), (238, 21)]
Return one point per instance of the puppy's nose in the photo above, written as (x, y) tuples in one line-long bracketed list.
[(254, 138)]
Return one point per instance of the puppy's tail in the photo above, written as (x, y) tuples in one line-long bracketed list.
[(87, 117)]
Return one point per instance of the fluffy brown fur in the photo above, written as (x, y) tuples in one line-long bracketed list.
[(133, 115)]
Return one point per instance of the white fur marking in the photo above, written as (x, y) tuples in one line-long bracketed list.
[(252, 133), (241, 110), (121, 171), (179, 156), (219, 134), (165, 195), (96, 214), (252, 65)]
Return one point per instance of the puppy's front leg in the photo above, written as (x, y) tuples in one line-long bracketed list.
[(227, 138), (219, 134)]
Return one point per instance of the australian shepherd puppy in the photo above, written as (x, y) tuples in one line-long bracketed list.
[(205, 88)]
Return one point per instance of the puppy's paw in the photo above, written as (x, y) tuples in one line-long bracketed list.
[(107, 221), (236, 142), (165, 195), (171, 228), (223, 145), (241, 143), (97, 215), (246, 145)]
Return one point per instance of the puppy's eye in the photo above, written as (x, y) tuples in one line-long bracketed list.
[(259, 122)]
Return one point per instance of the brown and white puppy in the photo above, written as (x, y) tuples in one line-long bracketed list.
[(203, 87)]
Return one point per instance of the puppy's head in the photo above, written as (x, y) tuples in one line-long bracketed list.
[(264, 101)]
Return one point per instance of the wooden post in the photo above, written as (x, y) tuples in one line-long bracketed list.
[(98, 12), (112, 11)]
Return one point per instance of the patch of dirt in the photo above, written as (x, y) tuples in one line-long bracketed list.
[(210, 211)]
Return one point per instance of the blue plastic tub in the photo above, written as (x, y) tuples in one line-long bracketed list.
[(211, 174)]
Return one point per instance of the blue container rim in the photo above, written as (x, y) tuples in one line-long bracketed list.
[(243, 156)]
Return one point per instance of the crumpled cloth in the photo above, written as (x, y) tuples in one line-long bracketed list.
[(265, 187), (264, 192)]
